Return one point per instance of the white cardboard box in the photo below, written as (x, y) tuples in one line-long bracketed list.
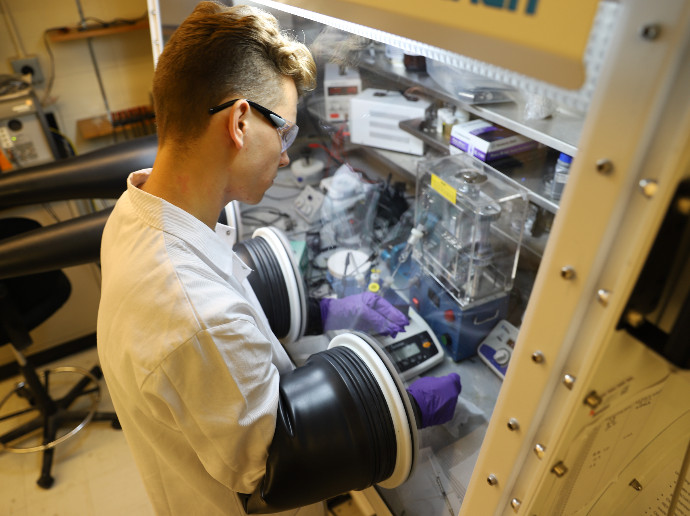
[(486, 141)]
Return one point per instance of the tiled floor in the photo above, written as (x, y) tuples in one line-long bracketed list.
[(94, 471)]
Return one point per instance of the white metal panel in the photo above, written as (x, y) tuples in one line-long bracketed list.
[(640, 122)]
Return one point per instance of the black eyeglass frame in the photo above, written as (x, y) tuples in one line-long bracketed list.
[(286, 130)]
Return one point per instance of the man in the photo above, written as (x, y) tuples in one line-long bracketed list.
[(189, 358)]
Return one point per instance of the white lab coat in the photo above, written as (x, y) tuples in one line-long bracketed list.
[(188, 356)]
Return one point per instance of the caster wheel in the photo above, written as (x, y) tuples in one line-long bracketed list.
[(45, 481)]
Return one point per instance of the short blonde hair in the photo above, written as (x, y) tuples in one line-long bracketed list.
[(218, 52)]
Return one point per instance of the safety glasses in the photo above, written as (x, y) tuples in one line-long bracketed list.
[(286, 130)]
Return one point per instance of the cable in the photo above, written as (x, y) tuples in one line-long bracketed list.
[(51, 78), (64, 137)]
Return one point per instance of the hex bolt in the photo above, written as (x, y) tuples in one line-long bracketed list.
[(492, 480), (648, 187), (539, 450), (567, 272), (569, 381), (537, 357), (604, 166), (515, 503), (683, 206), (635, 484), (559, 469), (603, 296), (593, 400), (513, 424), (651, 31), (634, 318)]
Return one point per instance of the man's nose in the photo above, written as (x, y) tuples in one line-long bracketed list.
[(284, 160)]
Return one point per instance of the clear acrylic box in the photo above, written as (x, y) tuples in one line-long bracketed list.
[(473, 219)]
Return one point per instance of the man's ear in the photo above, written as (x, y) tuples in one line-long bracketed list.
[(238, 122)]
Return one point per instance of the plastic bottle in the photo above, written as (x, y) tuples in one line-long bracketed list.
[(554, 188)]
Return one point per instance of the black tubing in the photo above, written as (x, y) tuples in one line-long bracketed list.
[(101, 174), (334, 434), (64, 244)]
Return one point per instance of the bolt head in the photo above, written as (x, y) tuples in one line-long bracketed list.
[(539, 450), (559, 469), (603, 296), (492, 480), (634, 318), (515, 503), (569, 381), (651, 31), (593, 400), (649, 187), (683, 206), (604, 166), (567, 272)]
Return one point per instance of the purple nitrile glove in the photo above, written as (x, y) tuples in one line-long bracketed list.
[(436, 398), (366, 312)]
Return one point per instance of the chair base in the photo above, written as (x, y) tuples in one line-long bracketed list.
[(52, 415)]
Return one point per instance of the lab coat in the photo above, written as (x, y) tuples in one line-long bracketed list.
[(188, 356)]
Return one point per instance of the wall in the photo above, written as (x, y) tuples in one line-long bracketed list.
[(125, 60)]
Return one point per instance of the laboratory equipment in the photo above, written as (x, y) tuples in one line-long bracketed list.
[(468, 252), (24, 132), (277, 281), (353, 411), (340, 85), (497, 348), (600, 424), (308, 204), (349, 208), (348, 271), (415, 350), (375, 116), (471, 251), (555, 182), (459, 329)]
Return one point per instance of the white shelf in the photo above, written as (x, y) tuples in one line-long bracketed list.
[(561, 131)]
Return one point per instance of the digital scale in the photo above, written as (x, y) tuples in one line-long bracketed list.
[(414, 350), (497, 348)]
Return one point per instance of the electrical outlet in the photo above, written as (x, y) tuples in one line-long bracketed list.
[(28, 65)]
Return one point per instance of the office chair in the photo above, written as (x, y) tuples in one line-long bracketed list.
[(33, 287), (26, 302)]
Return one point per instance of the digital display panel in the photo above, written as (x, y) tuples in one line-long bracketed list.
[(343, 90), (407, 351)]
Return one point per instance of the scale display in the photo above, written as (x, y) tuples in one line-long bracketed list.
[(415, 350)]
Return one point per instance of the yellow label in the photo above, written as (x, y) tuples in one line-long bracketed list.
[(545, 39), (443, 188)]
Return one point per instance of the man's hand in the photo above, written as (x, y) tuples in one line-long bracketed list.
[(436, 398), (366, 312)]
